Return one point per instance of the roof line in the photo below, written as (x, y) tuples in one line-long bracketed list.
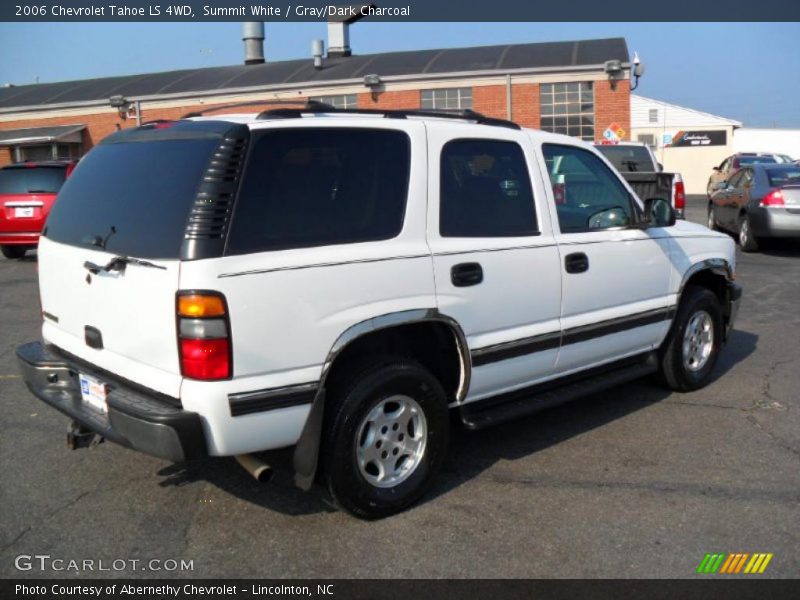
[(311, 84), (693, 110)]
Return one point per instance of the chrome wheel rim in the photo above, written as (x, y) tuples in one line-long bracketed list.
[(391, 441), (744, 233), (698, 341)]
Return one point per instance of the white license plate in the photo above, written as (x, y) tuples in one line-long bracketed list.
[(93, 392), (23, 211)]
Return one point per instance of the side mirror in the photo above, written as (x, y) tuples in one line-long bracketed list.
[(660, 166), (658, 213), (717, 169)]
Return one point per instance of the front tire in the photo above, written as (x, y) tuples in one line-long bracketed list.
[(13, 252), (712, 219), (692, 347), (747, 241), (386, 438)]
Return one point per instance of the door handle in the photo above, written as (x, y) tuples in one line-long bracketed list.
[(576, 262), (466, 274)]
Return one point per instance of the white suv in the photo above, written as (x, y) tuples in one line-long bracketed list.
[(341, 280)]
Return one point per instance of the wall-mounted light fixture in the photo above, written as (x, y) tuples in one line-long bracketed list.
[(125, 108), (373, 82), (638, 70)]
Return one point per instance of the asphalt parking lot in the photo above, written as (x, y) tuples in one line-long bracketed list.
[(636, 482)]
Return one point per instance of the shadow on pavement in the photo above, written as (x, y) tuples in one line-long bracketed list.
[(471, 452)]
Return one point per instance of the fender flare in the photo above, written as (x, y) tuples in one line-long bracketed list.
[(306, 452), (719, 266)]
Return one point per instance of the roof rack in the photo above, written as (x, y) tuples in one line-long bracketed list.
[(319, 107), (309, 105)]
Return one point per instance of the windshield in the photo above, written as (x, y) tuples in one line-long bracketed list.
[(628, 158), (32, 180), (142, 189), (781, 177)]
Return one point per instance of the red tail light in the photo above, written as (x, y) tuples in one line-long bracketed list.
[(774, 198), (680, 196), (205, 359), (204, 336)]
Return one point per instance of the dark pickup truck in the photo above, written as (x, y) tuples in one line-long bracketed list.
[(637, 164)]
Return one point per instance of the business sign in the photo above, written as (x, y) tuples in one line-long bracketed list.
[(716, 137)]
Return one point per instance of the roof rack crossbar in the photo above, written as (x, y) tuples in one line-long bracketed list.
[(459, 114), (308, 105)]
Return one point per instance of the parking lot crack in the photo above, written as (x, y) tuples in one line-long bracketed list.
[(780, 442), (20, 535)]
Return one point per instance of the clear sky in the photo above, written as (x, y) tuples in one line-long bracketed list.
[(745, 71)]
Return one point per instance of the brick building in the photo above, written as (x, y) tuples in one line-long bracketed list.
[(579, 88)]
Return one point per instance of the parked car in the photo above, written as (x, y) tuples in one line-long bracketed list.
[(638, 165), (733, 163), (27, 192), (760, 201), (340, 283)]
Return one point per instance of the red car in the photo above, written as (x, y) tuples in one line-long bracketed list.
[(27, 192)]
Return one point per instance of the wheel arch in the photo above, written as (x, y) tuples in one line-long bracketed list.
[(387, 331), (714, 274)]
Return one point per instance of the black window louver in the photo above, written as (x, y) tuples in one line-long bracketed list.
[(211, 211)]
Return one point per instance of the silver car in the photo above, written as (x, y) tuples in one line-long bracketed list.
[(758, 201)]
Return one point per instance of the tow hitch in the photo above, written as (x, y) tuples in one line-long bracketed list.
[(79, 436)]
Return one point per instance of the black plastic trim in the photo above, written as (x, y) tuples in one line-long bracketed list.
[(574, 335), (135, 420), (520, 403), (272, 399)]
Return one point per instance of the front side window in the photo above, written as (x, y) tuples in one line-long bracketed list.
[(587, 194), (339, 100), (485, 190), (306, 187), (568, 108), (447, 98)]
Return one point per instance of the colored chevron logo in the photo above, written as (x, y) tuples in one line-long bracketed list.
[(728, 564)]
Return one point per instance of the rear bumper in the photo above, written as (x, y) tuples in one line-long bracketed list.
[(775, 222), (135, 419), (18, 239)]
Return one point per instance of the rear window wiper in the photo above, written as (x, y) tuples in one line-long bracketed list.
[(118, 263)]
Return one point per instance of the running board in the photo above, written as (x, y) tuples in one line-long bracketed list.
[(519, 403)]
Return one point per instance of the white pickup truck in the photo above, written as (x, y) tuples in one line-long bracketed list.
[(340, 281)]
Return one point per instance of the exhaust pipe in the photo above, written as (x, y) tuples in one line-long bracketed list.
[(258, 469)]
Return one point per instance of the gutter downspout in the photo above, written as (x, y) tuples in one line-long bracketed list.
[(509, 115)]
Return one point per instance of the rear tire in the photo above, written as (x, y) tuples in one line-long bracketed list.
[(385, 439), (747, 240), (12, 252), (692, 347)]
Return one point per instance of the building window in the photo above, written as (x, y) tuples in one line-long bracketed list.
[(568, 108), (446, 98), (338, 101), (648, 139), (653, 115), (52, 151)]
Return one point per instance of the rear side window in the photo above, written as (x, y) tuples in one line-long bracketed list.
[(485, 190), (143, 189), (32, 180), (318, 187)]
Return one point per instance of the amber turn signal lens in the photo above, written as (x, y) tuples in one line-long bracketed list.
[(197, 305)]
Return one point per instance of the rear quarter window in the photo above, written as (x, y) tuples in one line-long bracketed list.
[(32, 180), (781, 177), (307, 187)]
